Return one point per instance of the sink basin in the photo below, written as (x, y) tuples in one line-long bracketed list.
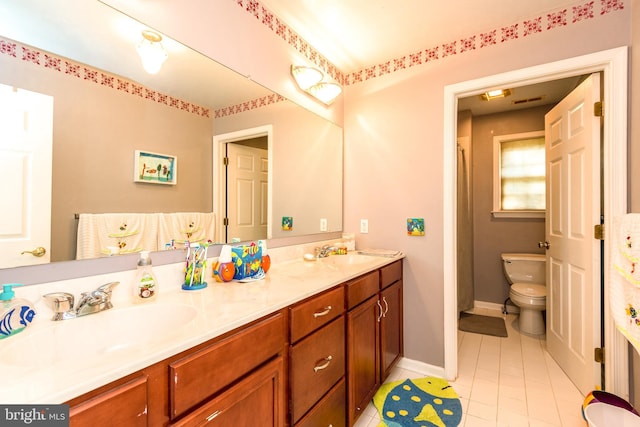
[(95, 335), (346, 260)]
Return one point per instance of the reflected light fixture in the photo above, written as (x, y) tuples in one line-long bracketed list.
[(151, 51), (493, 94), (310, 80)]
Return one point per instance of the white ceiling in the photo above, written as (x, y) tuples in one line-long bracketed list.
[(355, 34)]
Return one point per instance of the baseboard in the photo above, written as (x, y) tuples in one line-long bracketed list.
[(511, 309), (422, 368)]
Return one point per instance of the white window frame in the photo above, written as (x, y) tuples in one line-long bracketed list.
[(497, 188)]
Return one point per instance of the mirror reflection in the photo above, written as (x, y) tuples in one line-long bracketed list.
[(82, 57)]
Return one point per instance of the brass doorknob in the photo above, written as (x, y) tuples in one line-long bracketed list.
[(544, 245), (39, 251)]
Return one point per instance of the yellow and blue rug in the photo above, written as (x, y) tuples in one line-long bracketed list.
[(420, 402)]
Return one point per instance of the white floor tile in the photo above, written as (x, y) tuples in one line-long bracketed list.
[(506, 382)]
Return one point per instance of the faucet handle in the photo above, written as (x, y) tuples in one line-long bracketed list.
[(107, 288), (62, 303)]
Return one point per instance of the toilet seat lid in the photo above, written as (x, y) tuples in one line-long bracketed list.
[(530, 290)]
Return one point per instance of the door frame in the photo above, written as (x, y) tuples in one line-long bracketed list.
[(613, 64), (219, 181)]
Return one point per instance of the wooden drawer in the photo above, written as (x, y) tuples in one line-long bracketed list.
[(130, 399), (198, 376), (317, 363), (358, 290), (330, 411), (257, 399), (390, 274), (311, 314)]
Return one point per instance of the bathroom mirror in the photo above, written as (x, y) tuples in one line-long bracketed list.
[(106, 107)]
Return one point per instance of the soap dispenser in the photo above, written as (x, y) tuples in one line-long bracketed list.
[(16, 313), (145, 286)]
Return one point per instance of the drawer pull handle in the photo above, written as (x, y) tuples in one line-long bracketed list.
[(386, 306), (324, 312), (212, 416), (381, 311), (324, 365)]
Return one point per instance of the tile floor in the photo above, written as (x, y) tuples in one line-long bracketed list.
[(505, 382)]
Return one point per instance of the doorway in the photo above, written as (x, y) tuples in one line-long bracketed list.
[(613, 64), (242, 171)]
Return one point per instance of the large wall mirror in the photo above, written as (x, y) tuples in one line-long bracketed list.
[(105, 107)]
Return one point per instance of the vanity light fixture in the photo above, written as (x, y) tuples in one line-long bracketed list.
[(151, 51), (310, 80), (493, 94)]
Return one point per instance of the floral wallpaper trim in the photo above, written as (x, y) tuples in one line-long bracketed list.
[(84, 72), (249, 105), (547, 21)]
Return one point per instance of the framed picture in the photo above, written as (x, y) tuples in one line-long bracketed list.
[(155, 168)]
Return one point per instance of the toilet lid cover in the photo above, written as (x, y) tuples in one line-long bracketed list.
[(529, 289)]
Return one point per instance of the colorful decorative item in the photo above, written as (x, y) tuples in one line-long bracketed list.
[(427, 401), (224, 269), (247, 261), (415, 226), (155, 168), (287, 223)]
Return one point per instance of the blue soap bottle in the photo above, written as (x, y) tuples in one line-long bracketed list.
[(16, 313)]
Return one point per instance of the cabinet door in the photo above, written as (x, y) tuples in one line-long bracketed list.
[(391, 341), (362, 356), (124, 405), (257, 400)]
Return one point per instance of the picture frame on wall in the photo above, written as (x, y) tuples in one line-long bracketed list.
[(155, 168)]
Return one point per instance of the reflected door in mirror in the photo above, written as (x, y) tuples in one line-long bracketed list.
[(247, 192), (26, 129)]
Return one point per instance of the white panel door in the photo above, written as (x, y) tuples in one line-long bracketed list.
[(572, 134), (26, 139), (247, 178)]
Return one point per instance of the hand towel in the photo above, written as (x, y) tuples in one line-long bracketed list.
[(624, 283), (116, 233), (180, 227)]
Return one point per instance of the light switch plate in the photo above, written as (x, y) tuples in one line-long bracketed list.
[(323, 224), (364, 226)]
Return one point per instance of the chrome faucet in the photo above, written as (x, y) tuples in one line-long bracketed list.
[(90, 302), (324, 251)]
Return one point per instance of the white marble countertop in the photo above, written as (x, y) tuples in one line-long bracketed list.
[(52, 362)]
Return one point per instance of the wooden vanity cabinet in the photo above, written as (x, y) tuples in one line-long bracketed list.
[(374, 334), (317, 360), (130, 399)]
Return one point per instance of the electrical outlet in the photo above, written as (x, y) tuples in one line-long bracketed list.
[(364, 226), (323, 224)]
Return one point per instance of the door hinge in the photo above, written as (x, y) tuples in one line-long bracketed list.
[(597, 109), (225, 222), (225, 161), (598, 231), (598, 354)]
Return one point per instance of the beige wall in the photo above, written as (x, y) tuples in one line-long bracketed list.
[(493, 236), (96, 130)]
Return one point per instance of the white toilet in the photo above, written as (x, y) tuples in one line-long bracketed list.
[(526, 274)]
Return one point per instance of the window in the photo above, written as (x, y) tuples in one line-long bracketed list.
[(519, 175)]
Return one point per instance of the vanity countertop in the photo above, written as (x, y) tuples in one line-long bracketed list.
[(53, 362)]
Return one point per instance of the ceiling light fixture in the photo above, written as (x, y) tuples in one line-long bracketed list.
[(151, 51), (310, 80), (493, 94)]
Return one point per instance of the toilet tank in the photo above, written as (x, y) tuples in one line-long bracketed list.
[(524, 268)]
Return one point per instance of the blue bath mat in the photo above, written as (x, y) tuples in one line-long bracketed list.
[(421, 402)]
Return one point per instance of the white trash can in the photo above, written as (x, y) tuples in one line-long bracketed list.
[(604, 415)]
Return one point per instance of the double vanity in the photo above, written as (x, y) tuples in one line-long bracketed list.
[(307, 346)]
